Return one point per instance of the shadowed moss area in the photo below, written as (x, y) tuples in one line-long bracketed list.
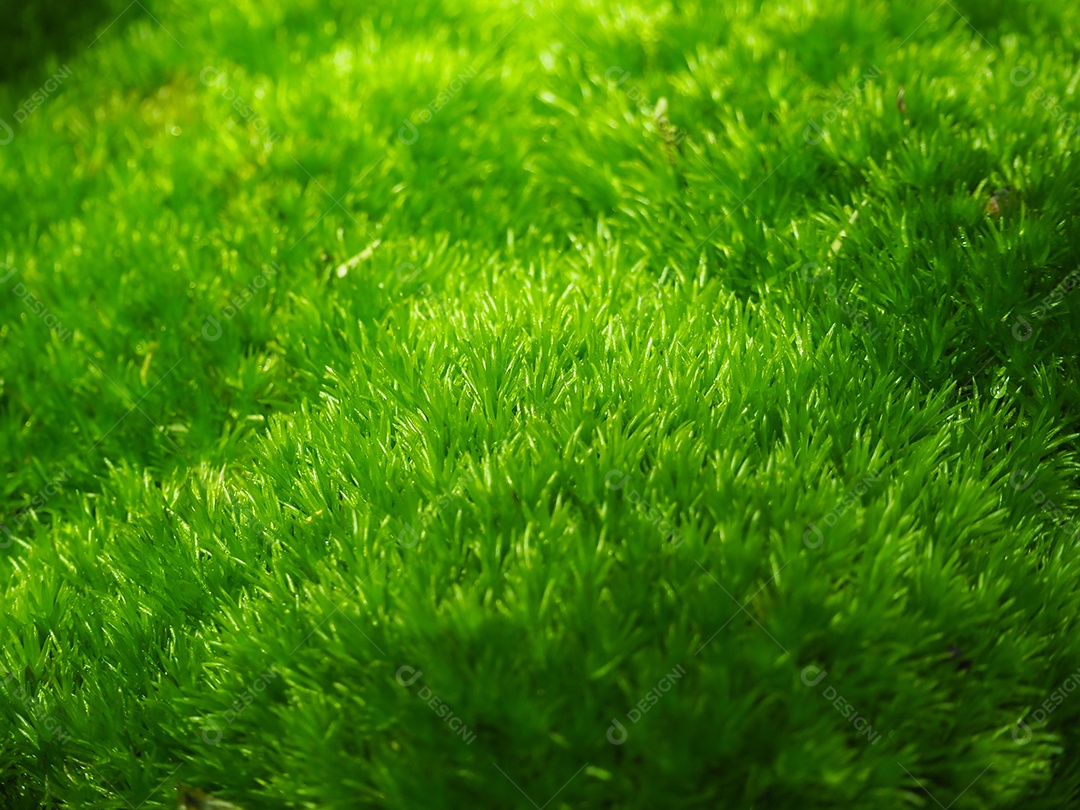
[(34, 33), (551, 404)]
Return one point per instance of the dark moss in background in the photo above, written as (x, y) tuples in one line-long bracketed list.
[(32, 34)]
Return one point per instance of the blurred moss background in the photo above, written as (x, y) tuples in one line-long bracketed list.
[(33, 32)]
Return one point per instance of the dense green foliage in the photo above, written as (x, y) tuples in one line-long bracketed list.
[(644, 387)]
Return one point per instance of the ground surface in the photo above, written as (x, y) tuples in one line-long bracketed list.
[(483, 404)]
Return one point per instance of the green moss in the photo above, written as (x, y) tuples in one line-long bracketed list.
[(440, 405)]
